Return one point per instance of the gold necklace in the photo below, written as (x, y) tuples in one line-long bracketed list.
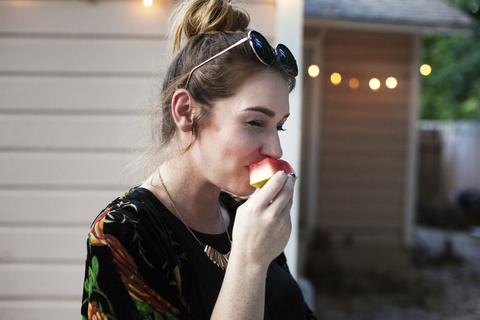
[(221, 260)]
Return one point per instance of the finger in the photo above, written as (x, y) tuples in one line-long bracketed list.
[(255, 192), (271, 189), (253, 195), (284, 197)]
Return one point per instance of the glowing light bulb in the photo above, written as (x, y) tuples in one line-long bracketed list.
[(425, 69), (391, 82), (354, 83), (313, 71), (147, 3), (374, 84), (336, 78)]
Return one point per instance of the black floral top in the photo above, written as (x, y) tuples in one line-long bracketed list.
[(142, 263)]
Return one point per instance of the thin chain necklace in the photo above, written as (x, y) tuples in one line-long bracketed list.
[(221, 260)]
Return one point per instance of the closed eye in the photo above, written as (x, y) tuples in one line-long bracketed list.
[(256, 124), (260, 124)]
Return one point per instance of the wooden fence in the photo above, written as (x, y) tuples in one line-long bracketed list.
[(449, 158)]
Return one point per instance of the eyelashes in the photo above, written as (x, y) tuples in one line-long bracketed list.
[(255, 124), (260, 124)]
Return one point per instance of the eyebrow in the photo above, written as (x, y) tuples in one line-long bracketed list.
[(269, 113)]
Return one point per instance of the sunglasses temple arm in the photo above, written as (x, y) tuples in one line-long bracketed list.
[(215, 56)]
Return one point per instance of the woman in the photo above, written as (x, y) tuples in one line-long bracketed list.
[(178, 246)]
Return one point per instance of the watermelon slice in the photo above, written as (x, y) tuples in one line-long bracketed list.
[(262, 171)]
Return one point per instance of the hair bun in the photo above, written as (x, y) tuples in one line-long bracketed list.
[(194, 17)]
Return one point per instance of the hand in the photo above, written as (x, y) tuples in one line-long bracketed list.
[(262, 224)]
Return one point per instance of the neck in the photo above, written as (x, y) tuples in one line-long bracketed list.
[(193, 196)]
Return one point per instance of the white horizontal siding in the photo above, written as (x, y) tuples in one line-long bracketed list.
[(70, 17), (85, 55), (108, 17), (35, 309), (57, 207), (73, 94), (64, 131), (34, 281), (57, 170), (29, 244)]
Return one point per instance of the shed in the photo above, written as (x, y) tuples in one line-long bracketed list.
[(360, 144)]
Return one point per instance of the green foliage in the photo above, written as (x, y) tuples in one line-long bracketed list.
[(452, 90)]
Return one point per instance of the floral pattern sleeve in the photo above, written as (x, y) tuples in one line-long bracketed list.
[(119, 263)]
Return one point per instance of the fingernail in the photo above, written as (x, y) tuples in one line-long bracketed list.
[(293, 175)]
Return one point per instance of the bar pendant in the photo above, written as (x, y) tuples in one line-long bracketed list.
[(221, 260)]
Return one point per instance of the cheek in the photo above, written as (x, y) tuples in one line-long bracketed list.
[(234, 156), (242, 149), (238, 143)]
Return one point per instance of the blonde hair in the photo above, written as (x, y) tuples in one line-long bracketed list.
[(191, 18), (206, 27)]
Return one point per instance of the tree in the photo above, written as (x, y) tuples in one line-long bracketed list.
[(452, 90)]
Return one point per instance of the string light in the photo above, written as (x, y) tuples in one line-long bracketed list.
[(374, 84), (354, 83), (425, 69), (147, 3), (336, 78), (313, 71), (391, 83)]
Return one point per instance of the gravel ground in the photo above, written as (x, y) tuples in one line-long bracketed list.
[(444, 283)]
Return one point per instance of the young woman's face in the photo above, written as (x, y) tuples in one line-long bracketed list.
[(243, 130)]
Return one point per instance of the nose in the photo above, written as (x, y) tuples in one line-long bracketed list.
[(272, 148)]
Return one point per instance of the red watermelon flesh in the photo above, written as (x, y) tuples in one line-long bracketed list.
[(262, 171)]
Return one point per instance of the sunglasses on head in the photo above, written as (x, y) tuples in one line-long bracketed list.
[(262, 49)]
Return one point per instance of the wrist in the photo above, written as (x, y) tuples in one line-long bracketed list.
[(247, 265)]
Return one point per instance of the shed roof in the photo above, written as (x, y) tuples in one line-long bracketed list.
[(426, 14)]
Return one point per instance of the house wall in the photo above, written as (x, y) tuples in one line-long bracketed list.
[(73, 77), (362, 146)]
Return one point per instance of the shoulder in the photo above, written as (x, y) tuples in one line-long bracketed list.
[(122, 218), (132, 227)]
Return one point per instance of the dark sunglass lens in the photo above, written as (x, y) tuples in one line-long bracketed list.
[(262, 47), (286, 58)]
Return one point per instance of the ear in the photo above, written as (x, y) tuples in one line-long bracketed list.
[(182, 109)]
